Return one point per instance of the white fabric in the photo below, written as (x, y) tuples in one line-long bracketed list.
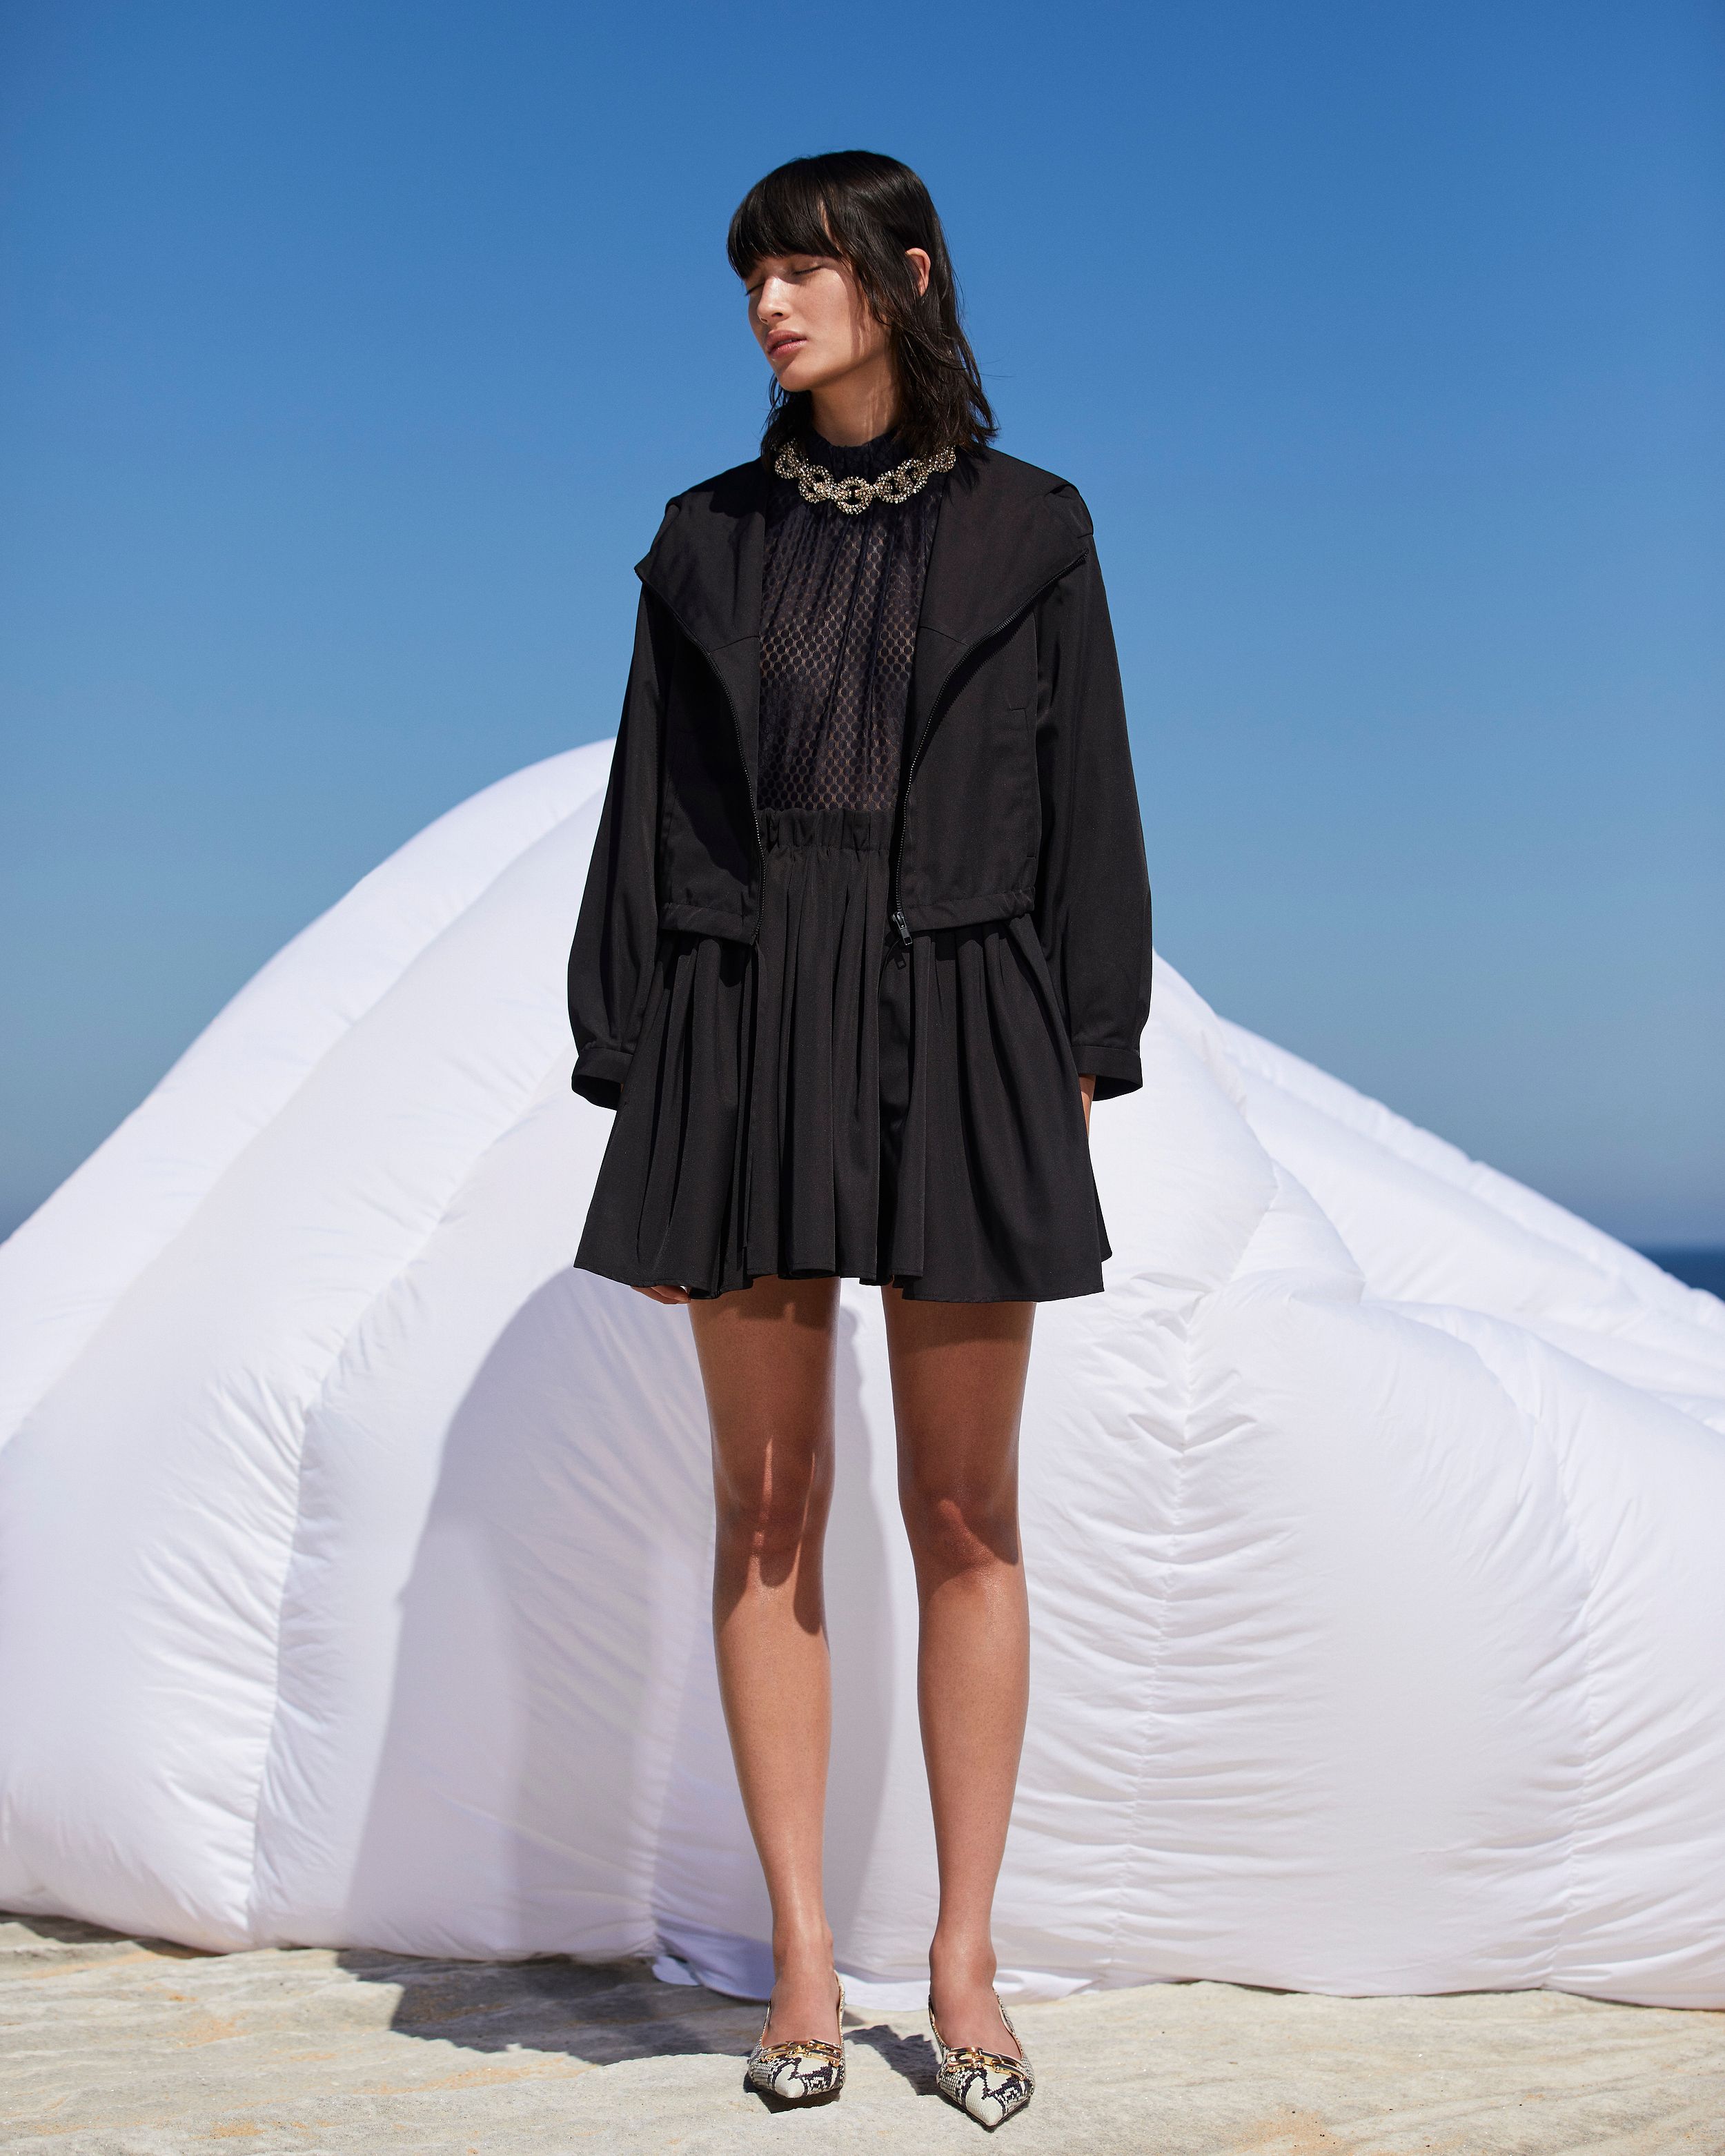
[(353, 1545)]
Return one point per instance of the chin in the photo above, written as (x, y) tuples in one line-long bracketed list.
[(806, 373)]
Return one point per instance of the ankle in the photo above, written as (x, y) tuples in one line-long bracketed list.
[(796, 1952), (962, 1964)]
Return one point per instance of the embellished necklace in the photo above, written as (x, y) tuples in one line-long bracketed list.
[(815, 483)]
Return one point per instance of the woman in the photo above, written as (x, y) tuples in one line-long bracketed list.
[(866, 932)]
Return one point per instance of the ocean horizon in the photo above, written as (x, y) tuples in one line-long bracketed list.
[(1701, 1265)]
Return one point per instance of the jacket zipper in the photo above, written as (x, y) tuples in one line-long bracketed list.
[(900, 927), (897, 918)]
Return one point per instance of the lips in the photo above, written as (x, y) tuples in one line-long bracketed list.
[(777, 347)]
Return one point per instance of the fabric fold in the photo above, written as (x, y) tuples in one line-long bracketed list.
[(828, 1101)]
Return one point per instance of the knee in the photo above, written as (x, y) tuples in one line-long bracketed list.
[(770, 1511), (960, 1523)]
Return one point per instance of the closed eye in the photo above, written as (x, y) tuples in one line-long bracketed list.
[(796, 270)]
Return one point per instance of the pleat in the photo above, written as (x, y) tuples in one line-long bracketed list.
[(825, 1102), (995, 1201)]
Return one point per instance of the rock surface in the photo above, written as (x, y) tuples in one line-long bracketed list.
[(113, 2047)]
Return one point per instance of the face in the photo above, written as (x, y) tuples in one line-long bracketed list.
[(811, 320)]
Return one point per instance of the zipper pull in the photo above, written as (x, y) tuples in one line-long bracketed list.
[(900, 930)]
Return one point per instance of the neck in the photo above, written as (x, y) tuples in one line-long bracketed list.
[(858, 406)]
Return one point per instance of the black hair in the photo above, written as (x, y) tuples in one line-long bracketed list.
[(868, 210)]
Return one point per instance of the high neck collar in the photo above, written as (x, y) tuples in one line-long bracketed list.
[(858, 460)]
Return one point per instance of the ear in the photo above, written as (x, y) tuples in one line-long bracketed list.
[(917, 257)]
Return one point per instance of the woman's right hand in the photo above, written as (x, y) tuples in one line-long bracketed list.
[(665, 1294)]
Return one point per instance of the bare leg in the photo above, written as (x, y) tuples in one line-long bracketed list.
[(957, 1388), (766, 1355)]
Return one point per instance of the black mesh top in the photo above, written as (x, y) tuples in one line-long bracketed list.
[(838, 605)]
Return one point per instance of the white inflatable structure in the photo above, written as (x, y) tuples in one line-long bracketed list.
[(353, 1547)]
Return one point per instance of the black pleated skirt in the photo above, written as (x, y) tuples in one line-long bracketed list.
[(825, 1101)]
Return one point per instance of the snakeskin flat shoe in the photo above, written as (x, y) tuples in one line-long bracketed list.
[(799, 2071), (988, 2085)]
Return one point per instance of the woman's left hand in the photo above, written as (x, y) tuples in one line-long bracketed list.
[(1087, 1087)]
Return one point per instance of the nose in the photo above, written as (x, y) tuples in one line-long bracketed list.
[(774, 301)]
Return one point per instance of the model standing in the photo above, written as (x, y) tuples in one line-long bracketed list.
[(866, 929)]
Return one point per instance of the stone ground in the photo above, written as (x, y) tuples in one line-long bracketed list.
[(112, 2046)]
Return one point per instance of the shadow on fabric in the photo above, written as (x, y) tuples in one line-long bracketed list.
[(555, 1778)]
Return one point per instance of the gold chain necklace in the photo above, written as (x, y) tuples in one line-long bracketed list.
[(815, 483)]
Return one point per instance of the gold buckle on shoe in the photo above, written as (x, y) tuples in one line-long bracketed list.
[(799, 2047)]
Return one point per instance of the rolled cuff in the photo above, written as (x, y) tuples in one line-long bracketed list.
[(1116, 1070), (598, 1075)]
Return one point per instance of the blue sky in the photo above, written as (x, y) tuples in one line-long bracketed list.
[(352, 351)]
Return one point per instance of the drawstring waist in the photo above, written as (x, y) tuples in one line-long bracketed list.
[(848, 830)]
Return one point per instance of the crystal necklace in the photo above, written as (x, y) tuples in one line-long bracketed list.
[(815, 483)]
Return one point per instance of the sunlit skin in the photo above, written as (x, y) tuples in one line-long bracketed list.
[(768, 1366), (820, 334)]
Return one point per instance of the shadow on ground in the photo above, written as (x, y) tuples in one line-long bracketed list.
[(599, 2013), (111, 2043)]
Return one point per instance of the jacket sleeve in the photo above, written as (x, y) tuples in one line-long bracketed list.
[(1092, 887), (617, 930)]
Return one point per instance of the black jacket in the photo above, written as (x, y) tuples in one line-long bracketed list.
[(1016, 792)]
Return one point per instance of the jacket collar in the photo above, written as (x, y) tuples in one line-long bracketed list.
[(999, 539), (705, 565)]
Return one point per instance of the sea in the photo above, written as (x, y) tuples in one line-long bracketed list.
[(1695, 1265)]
